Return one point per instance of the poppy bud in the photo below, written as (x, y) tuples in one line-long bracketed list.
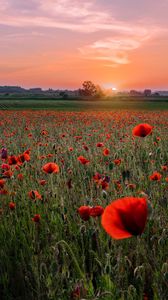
[(4, 153)]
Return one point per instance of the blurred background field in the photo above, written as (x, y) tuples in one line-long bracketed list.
[(79, 105)]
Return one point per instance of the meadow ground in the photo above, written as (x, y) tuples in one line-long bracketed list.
[(84, 105), (48, 251)]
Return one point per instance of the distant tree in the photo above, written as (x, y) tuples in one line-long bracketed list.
[(64, 95), (156, 94), (89, 89), (147, 93)]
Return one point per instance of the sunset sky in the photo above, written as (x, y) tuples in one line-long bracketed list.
[(61, 43)]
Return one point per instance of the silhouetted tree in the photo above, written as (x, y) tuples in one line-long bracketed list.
[(147, 93), (64, 95), (89, 89)]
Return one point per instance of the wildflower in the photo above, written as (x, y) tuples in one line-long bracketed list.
[(42, 182), (97, 177), (96, 211), (7, 174), (5, 167), (50, 168), (104, 184), (131, 186), (125, 217), (106, 152), (84, 212), (117, 162), (50, 155), (24, 157), (142, 130), (2, 183), (156, 176), (3, 192), (20, 176), (44, 132), (164, 168), (83, 160), (12, 160), (34, 195), (86, 148), (99, 145), (36, 218), (12, 205)]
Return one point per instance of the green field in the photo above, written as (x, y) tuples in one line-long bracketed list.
[(78, 105)]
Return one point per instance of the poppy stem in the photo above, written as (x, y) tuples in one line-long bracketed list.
[(52, 186), (70, 252)]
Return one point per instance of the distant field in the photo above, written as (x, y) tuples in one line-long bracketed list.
[(78, 105)]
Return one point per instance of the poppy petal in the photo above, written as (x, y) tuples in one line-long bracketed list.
[(125, 217)]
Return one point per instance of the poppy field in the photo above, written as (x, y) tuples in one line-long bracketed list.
[(84, 205)]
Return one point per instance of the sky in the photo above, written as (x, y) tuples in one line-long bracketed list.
[(61, 43)]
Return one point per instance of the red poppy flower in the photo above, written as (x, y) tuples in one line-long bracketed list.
[(42, 181), (12, 205), (156, 176), (50, 168), (27, 151), (125, 217), (7, 174), (2, 183), (97, 178), (131, 186), (96, 211), (3, 192), (24, 157), (86, 148), (83, 160), (106, 152), (50, 155), (117, 162), (104, 184), (99, 145), (34, 195), (20, 176), (5, 167), (164, 168), (84, 212), (44, 132), (142, 130), (36, 218), (16, 167), (12, 160)]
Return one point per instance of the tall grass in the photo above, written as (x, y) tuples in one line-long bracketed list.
[(62, 256)]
